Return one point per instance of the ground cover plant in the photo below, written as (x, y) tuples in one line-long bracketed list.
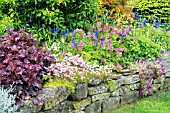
[(159, 103)]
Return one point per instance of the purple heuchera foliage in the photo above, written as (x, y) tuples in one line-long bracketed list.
[(22, 64)]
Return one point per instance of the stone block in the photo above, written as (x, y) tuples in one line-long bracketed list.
[(94, 82), (100, 96), (110, 104), (81, 92), (63, 107), (97, 89), (95, 107), (131, 79), (29, 107), (129, 97), (53, 96), (80, 105)]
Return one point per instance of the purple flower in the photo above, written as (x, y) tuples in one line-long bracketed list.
[(154, 19), (96, 32), (136, 16), (163, 51), (73, 41)]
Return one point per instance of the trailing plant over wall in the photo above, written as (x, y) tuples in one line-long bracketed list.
[(147, 72)]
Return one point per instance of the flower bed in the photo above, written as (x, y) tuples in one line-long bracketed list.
[(98, 95)]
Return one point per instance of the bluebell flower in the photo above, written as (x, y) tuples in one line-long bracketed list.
[(103, 38), (73, 41), (151, 22), (144, 22), (154, 19), (42, 26), (39, 22), (63, 32), (96, 41), (165, 25), (30, 18), (136, 16), (55, 30), (96, 32), (28, 26), (72, 30), (67, 31), (158, 24)]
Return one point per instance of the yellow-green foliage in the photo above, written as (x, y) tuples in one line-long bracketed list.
[(151, 8), (51, 81), (112, 84)]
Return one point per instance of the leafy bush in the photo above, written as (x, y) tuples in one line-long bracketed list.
[(43, 16), (22, 63), (115, 9), (149, 9), (7, 101)]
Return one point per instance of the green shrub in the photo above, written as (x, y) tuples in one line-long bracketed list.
[(150, 8), (32, 15)]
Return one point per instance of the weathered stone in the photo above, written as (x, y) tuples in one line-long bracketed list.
[(167, 83), (126, 74), (125, 71), (167, 74), (80, 92), (30, 107), (134, 86), (100, 96), (81, 104), (131, 79), (117, 76), (167, 68), (115, 93), (120, 81), (129, 97), (110, 104), (97, 89), (63, 107), (124, 90), (95, 107), (53, 96), (94, 82)]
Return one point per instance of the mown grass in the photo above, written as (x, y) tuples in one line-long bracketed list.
[(159, 103)]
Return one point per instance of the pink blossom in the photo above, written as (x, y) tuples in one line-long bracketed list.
[(134, 38), (118, 65), (93, 27), (103, 60), (63, 53), (105, 27), (71, 45), (92, 43), (82, 35), (108, 55), (110, 47), (108, 34)]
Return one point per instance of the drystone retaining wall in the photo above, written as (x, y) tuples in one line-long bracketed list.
[(96, 96)]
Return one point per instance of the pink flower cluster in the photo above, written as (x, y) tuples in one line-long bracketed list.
[(80, 45), (119, 51), (69, 66)]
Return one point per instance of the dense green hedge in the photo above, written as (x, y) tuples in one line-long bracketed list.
[(61, 13), (151, 8)]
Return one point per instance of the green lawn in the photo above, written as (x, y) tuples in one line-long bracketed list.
[(159, 103)]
